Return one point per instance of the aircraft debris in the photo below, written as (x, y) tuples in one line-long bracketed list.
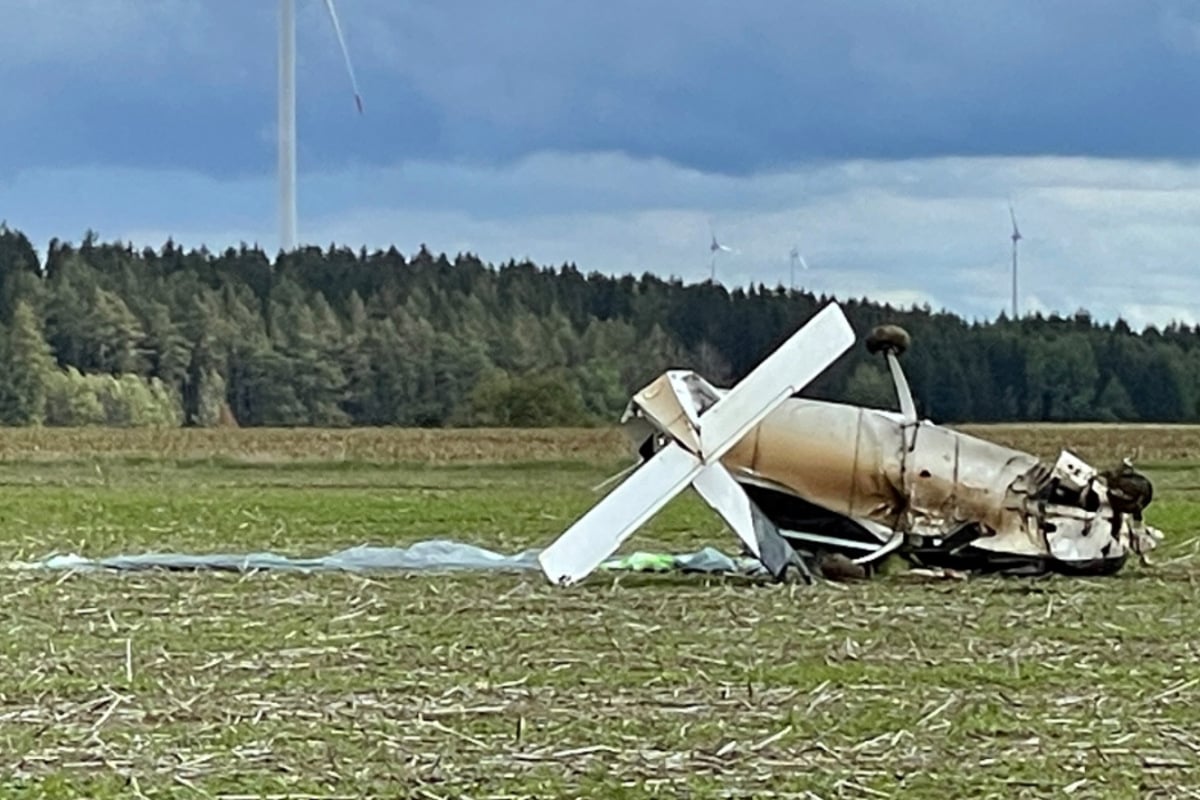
[(811, 486)]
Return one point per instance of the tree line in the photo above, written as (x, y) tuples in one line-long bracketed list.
[(103, 333)]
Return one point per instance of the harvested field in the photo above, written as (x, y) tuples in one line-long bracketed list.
[(284, 685), (278, 445), (1099, 443)]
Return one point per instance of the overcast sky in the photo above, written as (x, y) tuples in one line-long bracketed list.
[(885, 139)]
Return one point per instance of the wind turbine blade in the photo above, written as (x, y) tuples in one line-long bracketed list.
[(337, 29)]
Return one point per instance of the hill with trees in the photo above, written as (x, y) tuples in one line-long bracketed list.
[(102, 333)]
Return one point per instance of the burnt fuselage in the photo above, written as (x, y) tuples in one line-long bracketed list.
[(869, 464), (863, 475), (866, 482)]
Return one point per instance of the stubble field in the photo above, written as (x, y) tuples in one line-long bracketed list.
[(289, 685)]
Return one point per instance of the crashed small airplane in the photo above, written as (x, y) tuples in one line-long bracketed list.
[(803, 482)]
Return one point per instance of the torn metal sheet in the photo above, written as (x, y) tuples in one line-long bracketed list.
[(863, 483)]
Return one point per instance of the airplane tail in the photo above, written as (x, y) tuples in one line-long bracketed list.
[(697, 425)]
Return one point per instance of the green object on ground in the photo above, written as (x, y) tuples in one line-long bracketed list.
[(642, 562)]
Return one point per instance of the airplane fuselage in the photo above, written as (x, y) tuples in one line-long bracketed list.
[(794, 477), (929, 482), (868, 464)]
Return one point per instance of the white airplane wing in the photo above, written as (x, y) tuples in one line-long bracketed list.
[(600, 531)]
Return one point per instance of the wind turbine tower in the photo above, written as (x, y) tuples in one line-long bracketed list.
[(796, 258), (287, 113), (1016, 237)]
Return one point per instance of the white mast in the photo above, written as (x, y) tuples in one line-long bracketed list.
[(1016, 237), (287, 125)]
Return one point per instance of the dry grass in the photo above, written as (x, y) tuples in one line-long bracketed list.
[(503, 687), (1099, 443), (374, 445)]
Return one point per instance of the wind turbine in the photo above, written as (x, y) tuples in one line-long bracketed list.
[(714, 248), (794, 256), (287, 113), (1016, 237)]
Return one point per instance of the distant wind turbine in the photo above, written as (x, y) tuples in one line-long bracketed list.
[(795, 257), (714, 248), (1016, 237), (287, 113)]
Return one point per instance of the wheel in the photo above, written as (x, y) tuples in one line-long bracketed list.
[(888, 337)]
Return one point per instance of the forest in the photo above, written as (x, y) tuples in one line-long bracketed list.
[(100, 333)]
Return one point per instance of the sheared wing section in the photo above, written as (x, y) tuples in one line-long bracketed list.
[(610, 522)]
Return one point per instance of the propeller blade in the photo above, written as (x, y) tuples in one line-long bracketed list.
[(337, 29)]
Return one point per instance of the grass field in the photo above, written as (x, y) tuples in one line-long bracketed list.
[(285, 685)]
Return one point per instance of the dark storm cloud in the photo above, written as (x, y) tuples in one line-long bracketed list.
[(714, 86)]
